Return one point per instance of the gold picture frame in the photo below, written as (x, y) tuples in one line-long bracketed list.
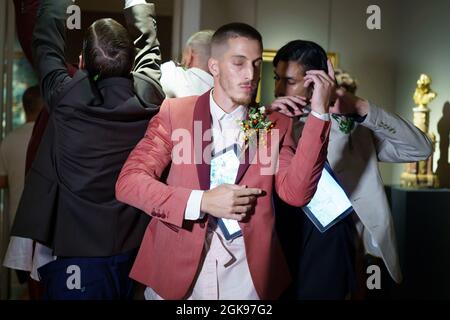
[(267, 86), (333, 56), (268, 55)]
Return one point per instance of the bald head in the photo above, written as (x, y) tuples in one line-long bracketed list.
[(198, 50)]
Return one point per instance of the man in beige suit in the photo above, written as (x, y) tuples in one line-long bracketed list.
[(362, 134)]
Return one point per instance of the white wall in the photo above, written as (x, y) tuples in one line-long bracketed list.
[(190, 21), (423, 47), (163, 7), (216, 13), (284, 20)]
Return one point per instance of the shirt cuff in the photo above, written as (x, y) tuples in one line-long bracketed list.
[(132, 3), (192, 211), (359, 119), (324, 117)]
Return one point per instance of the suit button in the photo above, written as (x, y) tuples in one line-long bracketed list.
[(202, 225)]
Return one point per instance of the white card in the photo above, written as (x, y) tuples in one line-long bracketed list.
[(329, 204), (224, 168)]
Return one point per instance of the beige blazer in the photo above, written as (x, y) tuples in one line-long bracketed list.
[(354, 157)]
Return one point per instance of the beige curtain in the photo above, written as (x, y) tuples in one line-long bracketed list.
[(7, 36)]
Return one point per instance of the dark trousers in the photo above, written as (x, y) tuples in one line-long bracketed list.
[(322, 264), (88, 278)]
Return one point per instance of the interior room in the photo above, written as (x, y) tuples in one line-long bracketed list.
[(397, 53)]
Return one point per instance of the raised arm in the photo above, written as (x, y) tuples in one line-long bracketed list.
[(301, 168), (26, 11), (299, 173), (48, 48), (396, 139), (140, 17)]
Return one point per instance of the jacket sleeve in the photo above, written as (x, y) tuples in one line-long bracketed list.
[(147, 68), (48, 47), (396, 139), (26, 11), (300, 169), (138, 184)]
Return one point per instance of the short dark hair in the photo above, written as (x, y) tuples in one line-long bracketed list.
[(32, 100), (307, 53), (108, 50), (234, 30)]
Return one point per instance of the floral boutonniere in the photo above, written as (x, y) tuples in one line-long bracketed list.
[(346, 124), (257, 125)]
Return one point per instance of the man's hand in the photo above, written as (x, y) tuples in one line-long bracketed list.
[(347, 103), (229, 201), (324, 86), (291, 106)]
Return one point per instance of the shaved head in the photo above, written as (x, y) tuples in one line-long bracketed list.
[(229, 31)]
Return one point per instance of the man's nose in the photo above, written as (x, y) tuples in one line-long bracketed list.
[(250, 73)]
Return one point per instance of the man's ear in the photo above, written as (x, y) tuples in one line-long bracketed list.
[(213, 65), (187, 58)]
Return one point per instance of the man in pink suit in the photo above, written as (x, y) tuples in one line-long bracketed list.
[(186, 253)]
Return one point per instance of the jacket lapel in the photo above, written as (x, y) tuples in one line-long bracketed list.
[(245, 163), (250, 154), (202, 120)]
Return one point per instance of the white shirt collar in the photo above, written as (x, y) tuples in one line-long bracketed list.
[(204, 76), (226, 128), (218, 114)]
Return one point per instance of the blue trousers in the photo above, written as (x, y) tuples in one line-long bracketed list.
[(89, 278)]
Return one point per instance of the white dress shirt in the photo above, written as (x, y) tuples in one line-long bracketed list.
[(178, 82), (131, 3), (226, 131)]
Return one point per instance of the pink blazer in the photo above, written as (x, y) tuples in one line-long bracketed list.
[(171, 250)]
